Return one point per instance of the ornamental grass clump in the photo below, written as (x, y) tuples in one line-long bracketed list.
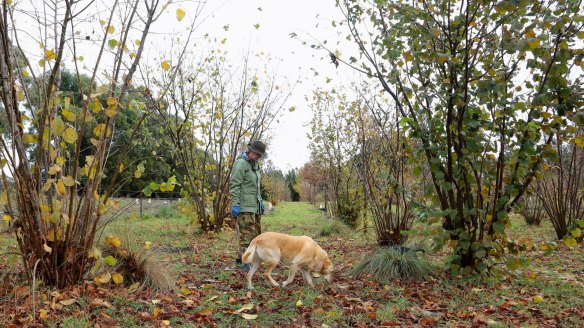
[(394, 262)]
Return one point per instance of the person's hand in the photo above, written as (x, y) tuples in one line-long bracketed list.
[(262, 208), (235, 210)]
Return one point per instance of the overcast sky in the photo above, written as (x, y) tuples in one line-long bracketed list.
[(277, 20), (309, 19)]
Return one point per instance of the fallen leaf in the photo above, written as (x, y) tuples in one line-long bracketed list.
[(117, 278), (205, 312), (43, 314), (47, 248), (113, 241), (185, 290), (134, 286), (538, 298), (248, 306), (249, 316), (68, 302), (98, 302)]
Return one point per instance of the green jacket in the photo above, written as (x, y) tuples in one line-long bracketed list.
[(244, 186)]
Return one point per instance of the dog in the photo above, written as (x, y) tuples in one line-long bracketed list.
[(299, 252)]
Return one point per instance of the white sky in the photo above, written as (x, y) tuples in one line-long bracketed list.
[(310, 20), (278, 19)]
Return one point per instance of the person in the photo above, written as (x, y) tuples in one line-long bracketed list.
[(246, 201)]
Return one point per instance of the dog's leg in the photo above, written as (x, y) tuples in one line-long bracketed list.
[(255, 264), (307, 277), (269, 267), (293, 270)]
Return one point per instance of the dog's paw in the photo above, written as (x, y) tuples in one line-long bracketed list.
[(284, 284)]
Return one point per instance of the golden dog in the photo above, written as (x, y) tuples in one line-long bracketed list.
[(299, 252)]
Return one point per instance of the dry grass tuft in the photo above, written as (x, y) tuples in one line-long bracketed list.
[(137, 264)]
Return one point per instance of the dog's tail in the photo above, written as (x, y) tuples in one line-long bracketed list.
[(247, 257)]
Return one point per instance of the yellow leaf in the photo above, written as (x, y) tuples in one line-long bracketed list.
[(70, 135), (95, 106), (43, 314), (165, 65), (51, 235), (111, 111), (60, 160), (68, 181), (299, 303), (533, 43), (570, 242), (134, 286), (69, 116), (113, 241), (6, 217), (19, 95), (117, 278), (102, 208), (180, 14), (50, 54), (60, 187), (530, 34), (54, 169), (111, 29), (47, 248), (3, 198), (185, 290), (249, 316), (25, 73), (147, 245), (155, 312), (99, 129), (408, 56), (29, 138), (538, 298), (111, 101), (58, 126)]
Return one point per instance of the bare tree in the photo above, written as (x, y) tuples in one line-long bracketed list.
[(561, 190), (214, 110)]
